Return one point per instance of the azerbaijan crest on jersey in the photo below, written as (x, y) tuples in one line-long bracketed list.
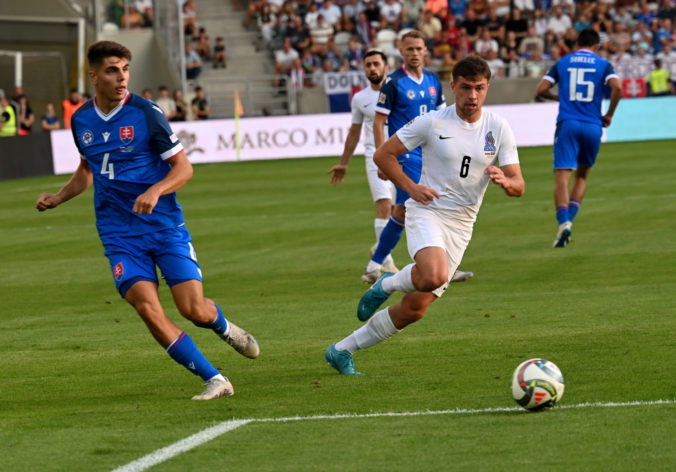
[(126, 134), (87, 137), (489, 147)]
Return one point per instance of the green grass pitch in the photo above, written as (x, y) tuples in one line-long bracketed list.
[(84, 387)]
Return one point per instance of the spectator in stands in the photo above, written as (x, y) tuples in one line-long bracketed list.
[(517, 24), (582, 22), (496, 64), (147, 94), (559, 22), (299, 34), (166, 103), (413, 9), (486, 44), (480, 8), (49, 121), (457, 9), (620, 14), (8, 122), (193, 63), (286, 60), (390, 14), (373, 14), (330, 12), (436, 5), (318, 76), (363, 29), (448, 40), (145, 9), (181, 107), (70, 105), (663, 35), (311, 15), (641, 36), (667, 10), (531, 44), (659, 81), (496, 25), (513, 64), (669, 52), (320, 35), (471, 25), (540, 22), (309, 63), (352, 9), (646, 15), (130, 18), (202, 46), (220, 58), (510, 44), (200, 106), (25, 117), (643, 55), (189, 18), (430, 26), (527, 8), (355, 52), (267, 21)]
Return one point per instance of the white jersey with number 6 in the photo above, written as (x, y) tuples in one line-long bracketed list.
[(456, 154)]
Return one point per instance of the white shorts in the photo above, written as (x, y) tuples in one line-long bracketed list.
[(427, 227), (380, 188)]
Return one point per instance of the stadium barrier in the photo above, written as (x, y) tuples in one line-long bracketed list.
[(300, 136)]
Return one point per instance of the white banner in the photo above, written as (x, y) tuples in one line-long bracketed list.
[(344, 82)]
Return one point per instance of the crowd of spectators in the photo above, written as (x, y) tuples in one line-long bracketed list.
[(518, 38)]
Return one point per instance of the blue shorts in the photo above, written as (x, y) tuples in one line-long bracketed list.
[(411, 164), (133, 258), (576, 143)]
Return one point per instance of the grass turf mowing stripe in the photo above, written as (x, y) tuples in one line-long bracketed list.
[(208, 434)]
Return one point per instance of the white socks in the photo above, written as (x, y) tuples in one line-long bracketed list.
[(378, 225), (400, 282), (378, 329)]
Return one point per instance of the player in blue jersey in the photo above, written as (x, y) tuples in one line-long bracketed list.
[(407, 93), (581, 77), (137, 164)]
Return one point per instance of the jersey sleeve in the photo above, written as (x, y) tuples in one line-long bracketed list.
[(552, 74), (507, 152), (387, 97), (414, 133), (357, 115), (609, 73), (162, 138)]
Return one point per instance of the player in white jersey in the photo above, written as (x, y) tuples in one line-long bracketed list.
[(363, 113), (462, 147)]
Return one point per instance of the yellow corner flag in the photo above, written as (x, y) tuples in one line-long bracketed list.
[(239, 111)]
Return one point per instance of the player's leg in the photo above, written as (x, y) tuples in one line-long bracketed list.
[(380, 327), (566, 148), (178, 262), (142, 295), (205, 313), (383, 194), (389, 238), (590, 143)]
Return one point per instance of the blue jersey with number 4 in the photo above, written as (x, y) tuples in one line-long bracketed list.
[(127, 151), (581, 77), (403, 97)]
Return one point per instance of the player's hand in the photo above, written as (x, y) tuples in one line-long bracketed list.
[(47, 201), (382, 176), (606, 120), (496, 175), (145, 203), (423, 194), (339, 172)]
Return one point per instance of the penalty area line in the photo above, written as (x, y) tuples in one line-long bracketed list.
[(208, 434)]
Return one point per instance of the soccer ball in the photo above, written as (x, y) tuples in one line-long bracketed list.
[(537, 384)]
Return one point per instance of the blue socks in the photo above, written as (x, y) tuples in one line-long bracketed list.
[(572, 209), (219, 325), (562, 214), (388, 239), (184, 351)]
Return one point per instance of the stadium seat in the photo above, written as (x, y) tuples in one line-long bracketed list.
[(386, 39), (342, 40)]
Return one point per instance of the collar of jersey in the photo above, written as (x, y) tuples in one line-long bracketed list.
[(114, 111), (417, 81)]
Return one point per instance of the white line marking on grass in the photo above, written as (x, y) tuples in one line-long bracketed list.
[(208, 434), (183, 445)]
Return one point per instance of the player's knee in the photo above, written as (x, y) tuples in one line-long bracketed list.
[(431, 280)]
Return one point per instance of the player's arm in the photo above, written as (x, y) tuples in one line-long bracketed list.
[(78, 183), (508, 177), (178, 176), (544, 90), (351, 142), (615, 95), (379, 129), (386, 159)]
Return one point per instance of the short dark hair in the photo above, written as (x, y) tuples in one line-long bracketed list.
[(376, 52), (100, 50), (588, 37), (413, 34), (472, 66)]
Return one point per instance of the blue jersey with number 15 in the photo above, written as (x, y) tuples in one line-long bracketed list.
[(581, 77)]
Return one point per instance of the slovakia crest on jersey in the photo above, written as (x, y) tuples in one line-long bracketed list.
[(126, 134), (490, 143), (433, 91)]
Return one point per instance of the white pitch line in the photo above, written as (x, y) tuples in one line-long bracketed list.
[(208, 434)]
